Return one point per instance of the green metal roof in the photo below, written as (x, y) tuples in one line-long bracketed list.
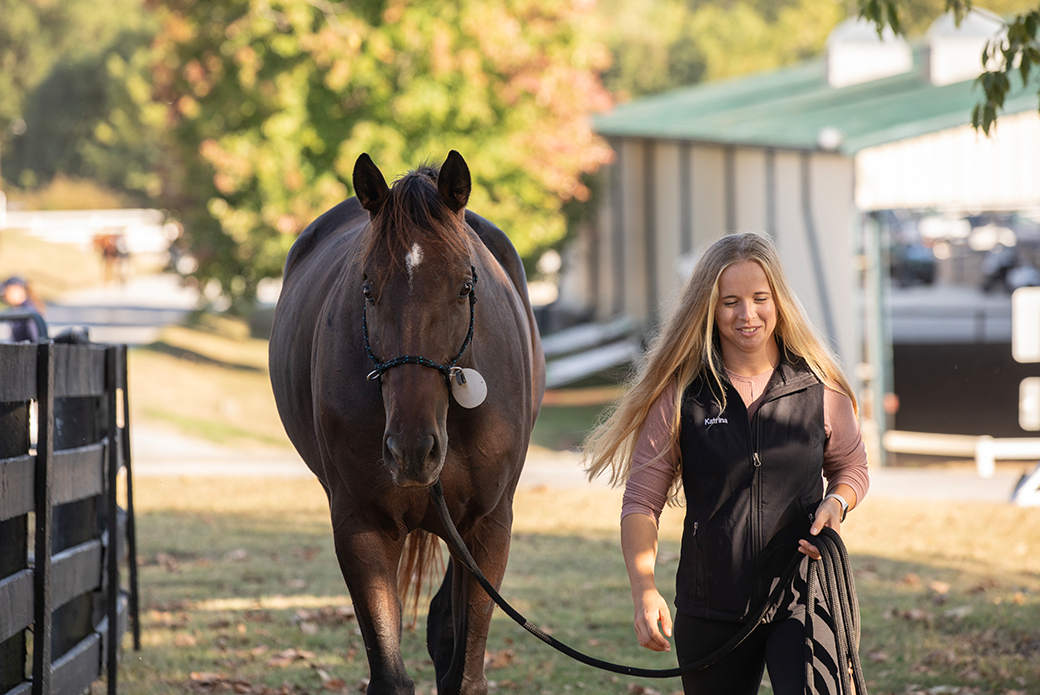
[(788, 108)]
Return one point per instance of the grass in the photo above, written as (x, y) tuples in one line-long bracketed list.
[(242, 593), (210, 381), (53, 269)]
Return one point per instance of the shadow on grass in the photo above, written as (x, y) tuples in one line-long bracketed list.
[(926, 626), (194, 357)]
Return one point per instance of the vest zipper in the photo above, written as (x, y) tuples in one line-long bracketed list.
[(699, 587), (756, 463)]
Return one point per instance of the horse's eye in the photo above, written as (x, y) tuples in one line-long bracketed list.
[(467, 288), (367, 289)]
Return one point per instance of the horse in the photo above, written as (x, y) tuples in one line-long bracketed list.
[(389, 376)]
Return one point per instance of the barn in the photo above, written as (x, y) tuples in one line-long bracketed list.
[(821, 156)]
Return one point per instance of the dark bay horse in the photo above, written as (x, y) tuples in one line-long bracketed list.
[(377, 315)]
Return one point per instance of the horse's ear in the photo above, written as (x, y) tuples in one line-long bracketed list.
[(453, 182), (369, 185)]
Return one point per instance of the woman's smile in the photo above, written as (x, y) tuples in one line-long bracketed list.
[(746, 318)]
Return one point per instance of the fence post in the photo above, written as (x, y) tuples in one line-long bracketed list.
[(42, 574), (131, 529), (77, 421), (112, 554), (14, 537)]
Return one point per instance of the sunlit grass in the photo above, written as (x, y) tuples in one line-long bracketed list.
[(240, 584)]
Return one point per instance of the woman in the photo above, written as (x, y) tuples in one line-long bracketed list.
[(18, 294), (739, 407)]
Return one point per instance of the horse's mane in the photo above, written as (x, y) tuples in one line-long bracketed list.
[(415, 213)]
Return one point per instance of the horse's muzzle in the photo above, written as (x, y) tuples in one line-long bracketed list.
[(414, 460)]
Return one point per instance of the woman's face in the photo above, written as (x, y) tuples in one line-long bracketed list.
[(745, 314), (14, 294)]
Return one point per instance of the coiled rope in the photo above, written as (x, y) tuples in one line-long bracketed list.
[(832, 572)]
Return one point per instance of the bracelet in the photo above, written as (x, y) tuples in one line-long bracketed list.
[(841, 501)]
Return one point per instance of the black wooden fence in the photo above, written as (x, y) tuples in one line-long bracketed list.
[(62, 533)]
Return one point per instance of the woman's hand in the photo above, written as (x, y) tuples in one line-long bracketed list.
[(652, 617), (827, 514), (651, 620)]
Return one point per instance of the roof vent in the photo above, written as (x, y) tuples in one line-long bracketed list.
[(955, 53), (855, 54)]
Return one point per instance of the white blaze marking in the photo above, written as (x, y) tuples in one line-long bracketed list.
[(412, 259)]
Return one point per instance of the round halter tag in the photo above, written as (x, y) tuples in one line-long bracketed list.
[(468, 387)]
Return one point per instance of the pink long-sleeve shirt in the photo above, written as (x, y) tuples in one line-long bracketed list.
[(655, 460)]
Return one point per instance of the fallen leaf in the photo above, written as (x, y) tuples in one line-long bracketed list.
[(939, 587), (288, 656), (308, 628), (636, 689), (206, 678), (985, 585), (237, 555), (493, 660), (167, 562), (878, 657), (334, 685), (185, 640), (307, 554), (911, 579)]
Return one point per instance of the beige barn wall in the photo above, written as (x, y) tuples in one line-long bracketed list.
[(602, 299), (707, 170), (831, 198), (633, 185), (955, 169), (750, 176), (669, 201), (831, 181)]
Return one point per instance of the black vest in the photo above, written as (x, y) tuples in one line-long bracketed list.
[(750, 489)]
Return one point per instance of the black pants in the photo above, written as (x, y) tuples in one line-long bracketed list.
[(778, 645)]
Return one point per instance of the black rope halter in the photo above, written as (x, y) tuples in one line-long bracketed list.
[(448, 370)]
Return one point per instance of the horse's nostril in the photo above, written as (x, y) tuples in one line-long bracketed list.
[(411, 450)]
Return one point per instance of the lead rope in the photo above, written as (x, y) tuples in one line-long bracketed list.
[(834, 547), (833, 573)]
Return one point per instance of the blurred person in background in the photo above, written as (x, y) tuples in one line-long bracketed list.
[(17, 293)]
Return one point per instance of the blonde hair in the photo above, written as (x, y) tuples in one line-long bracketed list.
[(686, 348)]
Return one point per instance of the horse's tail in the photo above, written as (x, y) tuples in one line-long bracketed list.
[(421, 562)]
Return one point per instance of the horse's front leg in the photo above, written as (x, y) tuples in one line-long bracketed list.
[(488, 542), (368, 559)]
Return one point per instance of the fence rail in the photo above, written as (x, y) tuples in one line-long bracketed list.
[(62, 533)]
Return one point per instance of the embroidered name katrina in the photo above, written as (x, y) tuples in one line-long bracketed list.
[(715, 421)]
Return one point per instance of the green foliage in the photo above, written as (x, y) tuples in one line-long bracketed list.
[(1017, 49), (664, 44), (272, 102), (59, 47), (652, 46), (740, 39), (82, 121)]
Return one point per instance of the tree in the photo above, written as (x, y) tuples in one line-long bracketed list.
[(1018, 49), (741, 39), (652, 46), (271, 102), (38, 38)]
